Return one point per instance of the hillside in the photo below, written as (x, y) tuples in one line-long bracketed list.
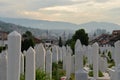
[(56, 25), (8, 27)]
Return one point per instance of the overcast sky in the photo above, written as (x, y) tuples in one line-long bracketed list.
[(75, 11)]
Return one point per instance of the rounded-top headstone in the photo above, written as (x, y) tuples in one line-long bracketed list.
[(49, 63), (24, 52), (14, 33), (95, 48), (14, 50), (117, 43), (69, 50), (95, 45), (78, 45), (117, 53)]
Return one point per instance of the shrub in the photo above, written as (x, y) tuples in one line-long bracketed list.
[(84, 60), (90, 73), (57, 71), (111, 64), (100, 74), (40, 75), (91, 66)]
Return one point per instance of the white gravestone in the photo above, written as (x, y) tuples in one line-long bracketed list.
[(54, 54), (40, 56), (69, 50), (95, 59), (78, 56), (117, 53), (3, 67), (30, 64), (90, 55), (102, 64), (68, 63), (60, 54), (14, 56), (49, 63), (64, 55), (80, 73)]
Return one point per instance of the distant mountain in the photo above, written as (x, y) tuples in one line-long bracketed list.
[(64, 26), (8, 27), (91, 26), (41, 24)]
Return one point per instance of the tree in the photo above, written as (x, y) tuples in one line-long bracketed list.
[(79, 34), (82, 35), (27, 41), (60, 42)]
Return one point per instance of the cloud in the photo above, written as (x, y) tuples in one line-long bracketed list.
[(75, 11), (115, 10), (101, 1), (3, 4)]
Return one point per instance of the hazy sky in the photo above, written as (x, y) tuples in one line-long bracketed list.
[(75, 11)]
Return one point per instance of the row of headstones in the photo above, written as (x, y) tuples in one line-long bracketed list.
[(13, 61), (14, 57), (72, 64), (115, 71), (99, 63)]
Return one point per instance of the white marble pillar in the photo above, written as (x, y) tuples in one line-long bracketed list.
[(14, 56), (102, 64), (68, 63), (49, 63), (54, 54), (117, 53), (30, 64), (3, 67), (90, 54), (117, 73), (78, 56), (80, 73), (95, 59), (64, 59), (40, 56)]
